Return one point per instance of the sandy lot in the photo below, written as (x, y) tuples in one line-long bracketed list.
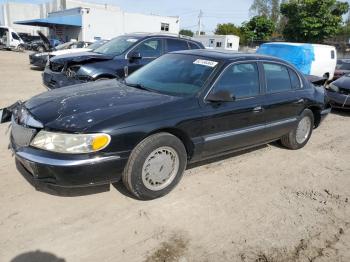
[(265, 205)]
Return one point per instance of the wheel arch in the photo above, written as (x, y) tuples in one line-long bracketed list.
[(180, 134), (317, 115)]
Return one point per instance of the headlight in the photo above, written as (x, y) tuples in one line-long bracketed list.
[(333, 87), (70, 143)]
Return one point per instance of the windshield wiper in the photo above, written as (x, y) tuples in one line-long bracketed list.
[(138, 86)]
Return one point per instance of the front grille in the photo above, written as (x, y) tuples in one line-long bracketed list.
[(22, 136), (344, 91), (56, 67)]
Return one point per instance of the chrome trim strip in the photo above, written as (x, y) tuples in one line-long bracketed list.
[(247, 130), (63, 163)]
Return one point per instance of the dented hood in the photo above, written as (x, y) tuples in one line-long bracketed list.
[(80, 57), (80, 107)]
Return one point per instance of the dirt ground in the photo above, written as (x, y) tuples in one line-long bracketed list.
[(265, 205)]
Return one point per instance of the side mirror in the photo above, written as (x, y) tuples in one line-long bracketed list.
[(134, 56), (221, 96)]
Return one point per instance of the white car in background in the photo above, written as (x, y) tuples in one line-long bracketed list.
[(9, 39)]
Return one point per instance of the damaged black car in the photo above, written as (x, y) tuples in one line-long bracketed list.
[(116, 59), (182, 108), (338, 92)]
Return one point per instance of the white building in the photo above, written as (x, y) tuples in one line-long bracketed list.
[(221, 42), (75, 19)]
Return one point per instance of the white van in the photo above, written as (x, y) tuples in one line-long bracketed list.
[(310, 59), (9, 39)]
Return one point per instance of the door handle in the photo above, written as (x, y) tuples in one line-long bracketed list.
[(258, 109)]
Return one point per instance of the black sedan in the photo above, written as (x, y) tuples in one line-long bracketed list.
[(183, 107), (338, 93)]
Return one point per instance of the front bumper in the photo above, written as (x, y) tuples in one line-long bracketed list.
[(68, 171), (338, 100), (53, 80)]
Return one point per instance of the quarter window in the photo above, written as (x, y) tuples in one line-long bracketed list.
[(164, 27), (277, 78), (150, 48), (242, 80), (294, 79), (176, 45)]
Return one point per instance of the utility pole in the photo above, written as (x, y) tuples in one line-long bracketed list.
[(200, 22)]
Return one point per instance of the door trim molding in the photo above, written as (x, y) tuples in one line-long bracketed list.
[(241, 131)]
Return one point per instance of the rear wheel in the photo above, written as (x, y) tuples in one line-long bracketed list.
[(155, 166), (299, 137)]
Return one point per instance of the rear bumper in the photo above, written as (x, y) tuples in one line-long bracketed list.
[(53, 80), (68, 171)]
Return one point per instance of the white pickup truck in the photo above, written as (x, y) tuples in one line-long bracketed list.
[(9, 39)]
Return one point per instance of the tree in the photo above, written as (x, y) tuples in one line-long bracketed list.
[(227, 29), (186, 32), (312, 21), (268, 8), (258, 28)]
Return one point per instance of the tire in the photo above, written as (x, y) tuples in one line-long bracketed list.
[(161, 151), (20, 48), (40, 49), (295, 142)]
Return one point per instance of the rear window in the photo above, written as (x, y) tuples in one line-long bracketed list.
[(277, 78), (176, 45), (193, 45)]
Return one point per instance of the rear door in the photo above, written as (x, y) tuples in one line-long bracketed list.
[(149, 50), (283, 101), (234, 125)]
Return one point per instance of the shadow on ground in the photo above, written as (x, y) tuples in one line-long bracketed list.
[(37, 256), (339, 112)]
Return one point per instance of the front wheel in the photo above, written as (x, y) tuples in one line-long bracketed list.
[(298, 138), (155, 166)]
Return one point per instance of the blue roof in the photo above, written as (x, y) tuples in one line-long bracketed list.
[(69, 20)]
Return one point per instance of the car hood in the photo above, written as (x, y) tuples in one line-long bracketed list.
[(77, 108), (44, 39), (81, 57), (70, 51), (343, 82)]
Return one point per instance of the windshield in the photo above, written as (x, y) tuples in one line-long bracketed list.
[(116, 46), (97, 44), (174, 74), (64, 46)]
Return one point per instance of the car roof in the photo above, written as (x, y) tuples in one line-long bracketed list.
[(229, 55), (145, 35)]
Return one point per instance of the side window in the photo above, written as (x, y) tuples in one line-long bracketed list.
[(332, 54), (150, 48), (15, 36), (176, 45), (295, 80), (193, 45), (277, 78), (242, 80)]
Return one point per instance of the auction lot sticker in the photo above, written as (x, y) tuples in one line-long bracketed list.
[(205, 62)]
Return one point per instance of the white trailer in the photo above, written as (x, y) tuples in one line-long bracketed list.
[(221, 42)]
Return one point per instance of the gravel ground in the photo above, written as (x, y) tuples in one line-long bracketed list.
[(267, 205)]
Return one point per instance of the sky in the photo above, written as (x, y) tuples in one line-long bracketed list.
[(214, 12)]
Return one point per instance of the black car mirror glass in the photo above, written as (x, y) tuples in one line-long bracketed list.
[(134, 56)]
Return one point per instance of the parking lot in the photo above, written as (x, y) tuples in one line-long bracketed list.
[(267, 204)]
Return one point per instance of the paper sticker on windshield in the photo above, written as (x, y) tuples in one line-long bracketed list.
[(132, 40), (205, 62)]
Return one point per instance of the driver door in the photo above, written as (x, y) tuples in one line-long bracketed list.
[(233, 125)]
